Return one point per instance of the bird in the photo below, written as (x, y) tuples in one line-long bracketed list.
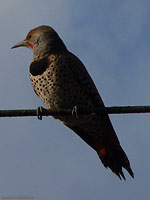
[(61, 80)]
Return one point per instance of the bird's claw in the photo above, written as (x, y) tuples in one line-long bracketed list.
[(39, 112), (75, 111)]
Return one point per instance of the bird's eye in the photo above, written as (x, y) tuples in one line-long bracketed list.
[(30, 36)]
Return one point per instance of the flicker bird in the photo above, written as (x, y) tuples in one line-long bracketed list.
[(61, 80)]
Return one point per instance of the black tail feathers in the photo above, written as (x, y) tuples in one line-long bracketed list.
[(116, 159)]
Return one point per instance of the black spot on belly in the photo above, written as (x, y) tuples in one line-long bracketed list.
[(39, 67)]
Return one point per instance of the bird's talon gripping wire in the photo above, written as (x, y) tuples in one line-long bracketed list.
[(75, 111), (39, 112)]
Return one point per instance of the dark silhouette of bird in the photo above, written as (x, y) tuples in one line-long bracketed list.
[(61, 80)]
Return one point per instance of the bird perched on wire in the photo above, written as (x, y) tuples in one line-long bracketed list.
[(61, 80)]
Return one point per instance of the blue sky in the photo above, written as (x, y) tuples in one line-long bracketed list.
[(46, 160)]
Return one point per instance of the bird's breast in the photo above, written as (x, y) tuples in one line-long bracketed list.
[(56, 86)]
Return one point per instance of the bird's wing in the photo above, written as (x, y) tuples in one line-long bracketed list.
[(85, 81), (82, 76)]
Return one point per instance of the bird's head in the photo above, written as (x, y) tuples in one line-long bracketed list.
[(43, 41)]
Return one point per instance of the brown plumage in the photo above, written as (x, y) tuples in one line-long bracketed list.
[(60, 79)]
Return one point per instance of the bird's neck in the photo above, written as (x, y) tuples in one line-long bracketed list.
[(45, 49), (37, 57)]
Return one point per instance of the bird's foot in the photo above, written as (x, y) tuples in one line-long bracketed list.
[(39, 112), (75, 111)]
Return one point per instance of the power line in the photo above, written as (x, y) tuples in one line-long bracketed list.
[(75, 111)]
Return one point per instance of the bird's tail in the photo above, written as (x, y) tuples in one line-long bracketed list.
[(116, 159)]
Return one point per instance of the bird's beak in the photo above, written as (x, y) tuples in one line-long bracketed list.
[(20, 44)]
